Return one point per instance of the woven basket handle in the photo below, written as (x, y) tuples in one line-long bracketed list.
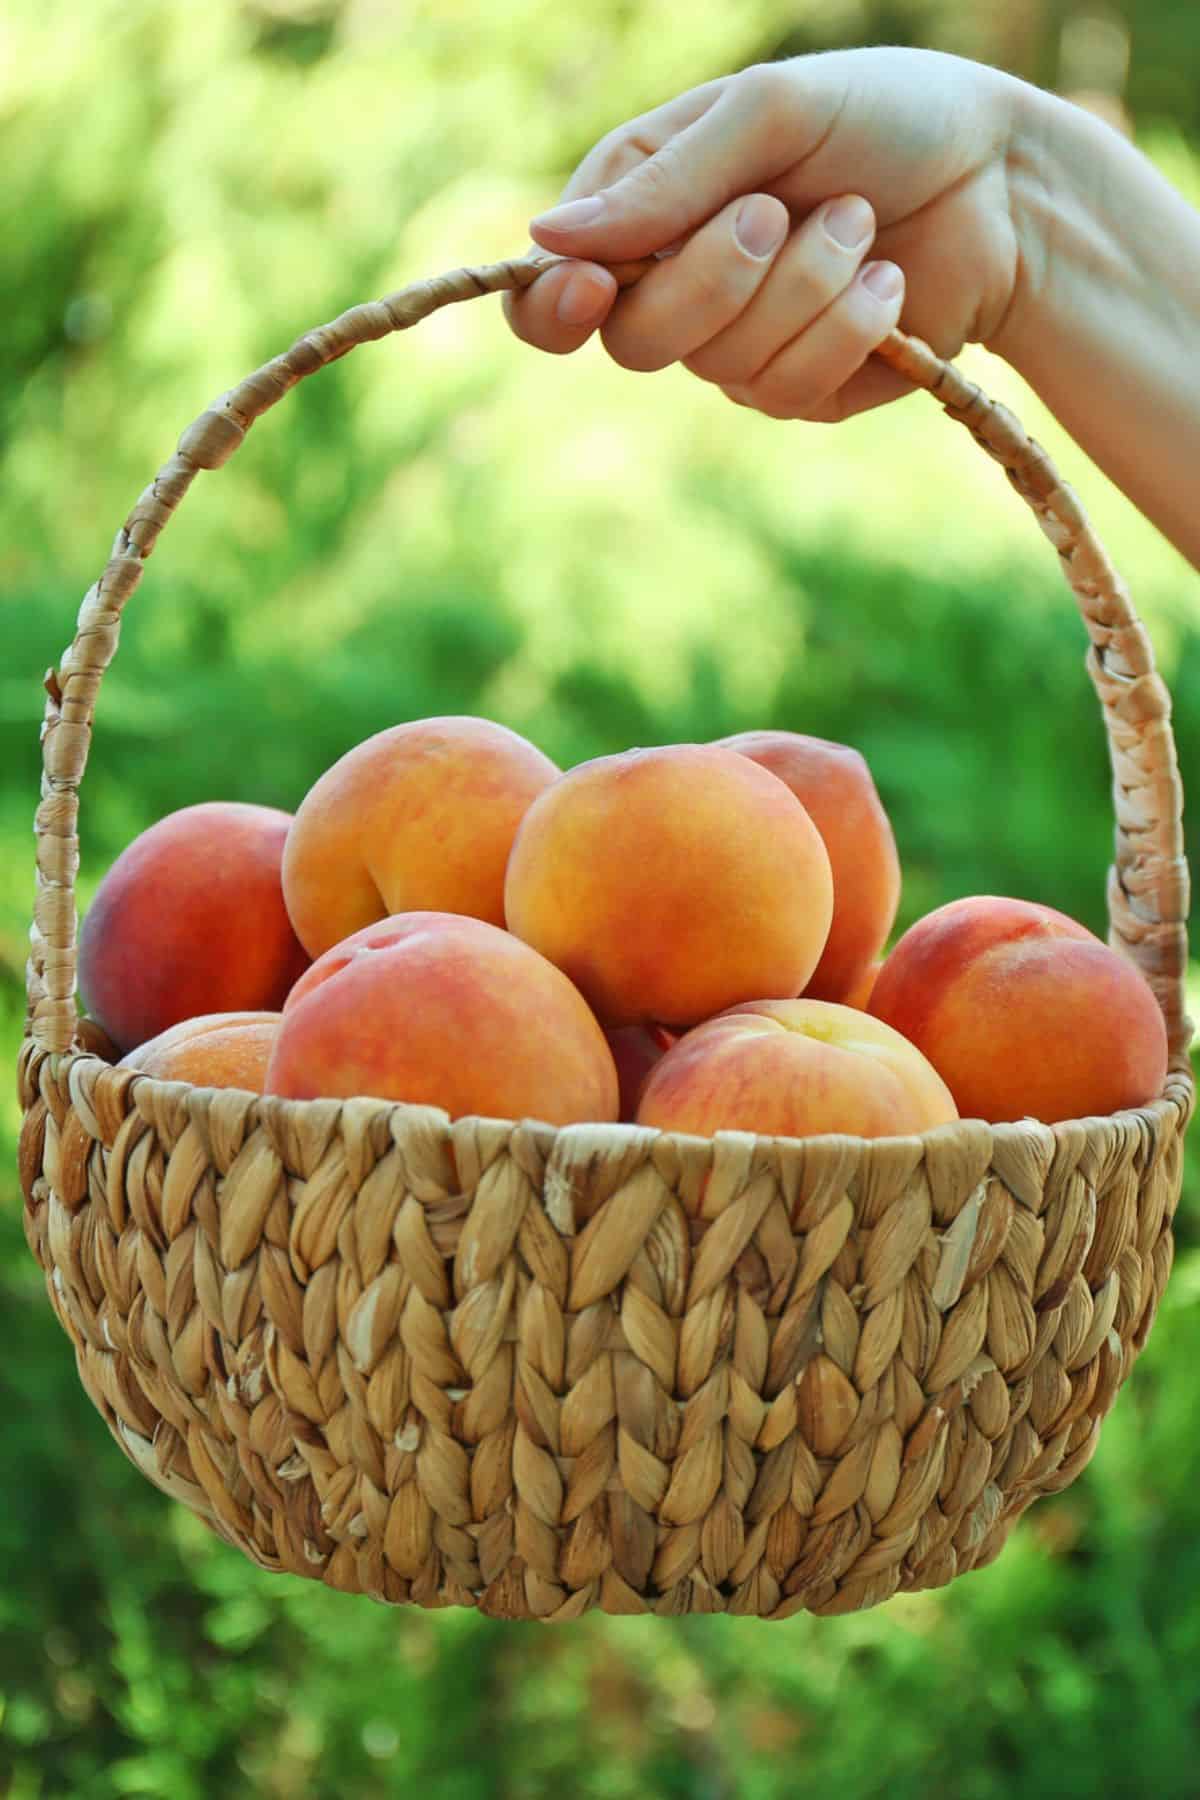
[(1148, 884)]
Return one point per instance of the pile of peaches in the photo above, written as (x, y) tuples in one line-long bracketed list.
[(692, 937)]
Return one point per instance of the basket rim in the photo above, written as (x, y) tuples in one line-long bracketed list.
[(1174, 1104)]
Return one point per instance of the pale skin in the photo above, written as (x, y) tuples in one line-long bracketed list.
[(799, 210)]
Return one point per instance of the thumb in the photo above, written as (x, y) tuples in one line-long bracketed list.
[(734, 148)]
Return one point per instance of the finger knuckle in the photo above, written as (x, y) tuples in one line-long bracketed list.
[(773, 406), (797, 395), (638, 355), (830, 412), (705, 366), (715, 285), (817, 282), (761, 91), (613, 156), (660, 187), (613, 144)]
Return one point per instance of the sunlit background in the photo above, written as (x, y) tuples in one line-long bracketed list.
[(451, 523)]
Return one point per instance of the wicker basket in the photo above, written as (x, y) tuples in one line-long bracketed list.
[(532, 1370)]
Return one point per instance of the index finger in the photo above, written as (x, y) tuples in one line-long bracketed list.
[(744, 133), (640, 138), (534, 313)]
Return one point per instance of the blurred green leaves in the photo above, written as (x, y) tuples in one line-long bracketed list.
[(450, 523)]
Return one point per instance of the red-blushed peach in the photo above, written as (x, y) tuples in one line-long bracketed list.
[(190, 919), (860, 994), (1024, 1012), (418, 818), (835, 785), (670, 883), (795, 1068), (225, 1050), (439, 1009), (635, 1050)]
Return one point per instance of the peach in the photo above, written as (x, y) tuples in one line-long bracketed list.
[(1024, 1012), (835, 785), (635, 1050), (418, 818), (218, 1050), (443, 1010), (190, 919), (670, 883), (795, 1068), (860, 994)]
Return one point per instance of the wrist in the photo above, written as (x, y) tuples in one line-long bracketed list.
[(1102, 321), (1042, 197), (1083, 203)]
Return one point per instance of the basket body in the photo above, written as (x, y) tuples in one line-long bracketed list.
[(538, 1371)]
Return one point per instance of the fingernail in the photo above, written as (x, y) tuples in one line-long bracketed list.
[(761, 226), (583, 299), (849, 222), (572, 214), (883, 279)]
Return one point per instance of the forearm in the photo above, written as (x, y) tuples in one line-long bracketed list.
[(1105, 319)]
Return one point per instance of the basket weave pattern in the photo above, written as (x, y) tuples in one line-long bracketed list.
[(539, 1370)]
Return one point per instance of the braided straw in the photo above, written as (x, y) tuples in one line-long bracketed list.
[(493, 1363)]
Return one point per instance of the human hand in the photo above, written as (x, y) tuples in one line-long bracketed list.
[(810, 200)]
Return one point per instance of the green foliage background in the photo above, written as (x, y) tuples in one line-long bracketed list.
[(598, 560)]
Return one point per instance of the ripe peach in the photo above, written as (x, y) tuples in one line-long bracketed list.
[(834, 783), (218, 1050), (443, 1010), (860, 994), (635, 1050), (418, 818), (795, 1068), (1023, 1012), (671, 883), (190, 920)]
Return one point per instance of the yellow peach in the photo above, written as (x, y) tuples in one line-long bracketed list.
[(443, 1010), (189, 920), (1024, 1012), (670, 883), (418, 818), (225, 1050), (795, 1068), (834, 783)]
